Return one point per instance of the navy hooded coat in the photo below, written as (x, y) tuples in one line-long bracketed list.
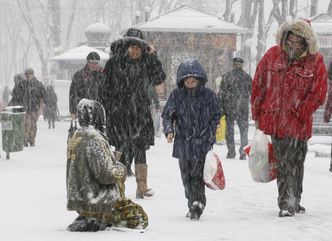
[(192, 115)]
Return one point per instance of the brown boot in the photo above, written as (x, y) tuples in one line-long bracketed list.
[(142, 191)]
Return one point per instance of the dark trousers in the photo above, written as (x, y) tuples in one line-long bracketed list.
[(192, 179), (130, 153), (290, 154), (243, 124)]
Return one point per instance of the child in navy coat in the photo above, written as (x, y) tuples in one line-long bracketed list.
[(191, 116)]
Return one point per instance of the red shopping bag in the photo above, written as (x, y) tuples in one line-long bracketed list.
[(213, 172), (272, 162)]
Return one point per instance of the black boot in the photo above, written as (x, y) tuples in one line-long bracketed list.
[(83, 224), (129, 171)]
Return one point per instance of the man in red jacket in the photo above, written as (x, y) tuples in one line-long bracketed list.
[(289, 85)]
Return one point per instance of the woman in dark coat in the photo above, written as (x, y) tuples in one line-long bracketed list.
[(124, 94), (195, 112), (51, 107)]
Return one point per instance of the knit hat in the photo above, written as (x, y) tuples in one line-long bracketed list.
[(238, 60), (93, 57), (29, 71), (134, 32)]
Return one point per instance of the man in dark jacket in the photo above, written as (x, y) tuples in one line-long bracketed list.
[(328, 105), (191, 115), (234, 95), (85, 82), (30, 93), (124, 94)]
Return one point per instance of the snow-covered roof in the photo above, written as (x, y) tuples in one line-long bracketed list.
[(80, 53), (187, 19), (322, 23)]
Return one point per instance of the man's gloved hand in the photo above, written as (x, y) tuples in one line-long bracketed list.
[(118, 170)]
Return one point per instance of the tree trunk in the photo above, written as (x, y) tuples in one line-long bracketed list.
[(314, 8), (70, 23), (54, 6), (329, 9)]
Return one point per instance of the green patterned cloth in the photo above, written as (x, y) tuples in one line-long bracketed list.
[(129, 214)]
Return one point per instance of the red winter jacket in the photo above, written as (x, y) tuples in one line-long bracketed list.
[(284, 98)]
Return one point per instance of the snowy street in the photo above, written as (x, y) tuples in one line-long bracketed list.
[(33, 198)]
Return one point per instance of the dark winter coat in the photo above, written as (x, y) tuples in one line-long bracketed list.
[(91, 185), (84, 84), (51, 107), (328, 105), (285, 96), (30, 94), (124, 94), (192, 116), (234, 93)]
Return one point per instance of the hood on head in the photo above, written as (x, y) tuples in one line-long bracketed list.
[(91, 112), (299, 27), (120, 46), (190, 68)]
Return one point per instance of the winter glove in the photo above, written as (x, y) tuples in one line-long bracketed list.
[(118, 170)]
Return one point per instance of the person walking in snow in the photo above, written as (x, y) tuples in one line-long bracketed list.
[(328, 105), (234, 96), (93, 177), (51, 107), (289, 85), (190, 117), (124, 94), (85, 82), (29, 93)]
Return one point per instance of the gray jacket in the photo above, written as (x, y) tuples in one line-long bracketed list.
[(90, 184)]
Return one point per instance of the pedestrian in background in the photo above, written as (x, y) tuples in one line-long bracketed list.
[(29, 93), (234, 97), (85, 82), (51, 107)]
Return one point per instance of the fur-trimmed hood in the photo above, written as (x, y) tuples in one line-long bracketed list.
[(299, 27)]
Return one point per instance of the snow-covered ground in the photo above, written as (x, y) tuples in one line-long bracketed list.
[(33, 199)]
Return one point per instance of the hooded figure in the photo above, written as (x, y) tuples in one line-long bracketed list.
[(124, 94), (94, 176), (288, 87), (191, 115)]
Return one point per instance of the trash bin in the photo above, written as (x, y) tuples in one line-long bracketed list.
[(12, 125)]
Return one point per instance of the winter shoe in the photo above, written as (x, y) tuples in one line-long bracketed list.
[(230, 156), (285, 213), (188, 215), (82, 224), (142, 191), (130, 173), (196, 210), (300, 209), (242, 157)]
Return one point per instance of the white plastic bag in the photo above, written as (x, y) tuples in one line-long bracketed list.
[(213, 172), (259, 157)]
